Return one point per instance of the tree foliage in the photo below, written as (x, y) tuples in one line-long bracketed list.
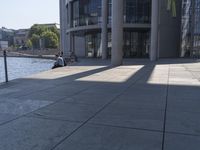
[(50, 39), (29, 44), (42, 34), (35, 39), (37, 30), (55, 30)]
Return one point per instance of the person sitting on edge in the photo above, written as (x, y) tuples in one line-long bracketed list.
[(59, 62)]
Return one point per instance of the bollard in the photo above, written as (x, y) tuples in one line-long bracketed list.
[(5, 66)]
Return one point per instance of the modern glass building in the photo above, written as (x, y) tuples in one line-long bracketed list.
[(120, 29), (190, 45)]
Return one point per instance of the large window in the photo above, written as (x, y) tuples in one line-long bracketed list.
[(86, 12), (93, 41), (136, 44), (196, 44), (190, 45), (137, 11)]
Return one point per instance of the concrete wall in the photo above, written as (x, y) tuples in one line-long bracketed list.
[(79, 46), (169, 31)]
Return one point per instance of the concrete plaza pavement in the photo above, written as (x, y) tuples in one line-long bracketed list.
[(141, 105)]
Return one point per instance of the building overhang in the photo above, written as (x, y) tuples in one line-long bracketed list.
[(98, 27)]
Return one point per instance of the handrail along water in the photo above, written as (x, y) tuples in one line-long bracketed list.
[(5, 65)]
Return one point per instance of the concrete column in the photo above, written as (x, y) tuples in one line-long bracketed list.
[(71, 46), (70, 14), (104, 30), (61, 23), (63, 27), (71, 42), (117, 32), (192, 28), (154, 30)]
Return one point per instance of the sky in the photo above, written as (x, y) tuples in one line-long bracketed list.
[(20, 14)]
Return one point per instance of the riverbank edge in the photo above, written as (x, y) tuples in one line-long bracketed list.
[(4, 83), (52, 57), (39, 57)]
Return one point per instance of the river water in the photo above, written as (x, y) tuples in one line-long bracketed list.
[(21, 67)]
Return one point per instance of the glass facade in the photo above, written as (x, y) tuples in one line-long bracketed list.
[(86, 12), (136, 41), (137, 11), (186, 27), (136, 44), (93, 44), (93, 41), (190, 45), (196, 43)]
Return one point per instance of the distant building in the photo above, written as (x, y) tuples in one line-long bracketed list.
[(21, 37), (3, 45), (7, 35)]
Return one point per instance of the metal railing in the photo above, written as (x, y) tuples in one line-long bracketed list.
[(13, 66), (5, 66)]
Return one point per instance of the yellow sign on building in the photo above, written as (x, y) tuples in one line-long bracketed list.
[(171, 6)]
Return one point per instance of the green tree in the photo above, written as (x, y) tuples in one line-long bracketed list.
[(37, 30), (35, 39), (54, 30), (29, 44), (47, 36), (50, 39)]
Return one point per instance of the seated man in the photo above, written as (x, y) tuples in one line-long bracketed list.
[(59, 62)]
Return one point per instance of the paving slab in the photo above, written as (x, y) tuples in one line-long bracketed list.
[(67, 111), (128, 116), (186, 104), (20, 107), (183, 122), (90, 98), (6, 117), (144, 103), (65, 90), (34, 133), (43, 96), (20, 89), (92, 137), (113, 107), (154, 97), (181, 142), (7, 91), (184, 91)]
